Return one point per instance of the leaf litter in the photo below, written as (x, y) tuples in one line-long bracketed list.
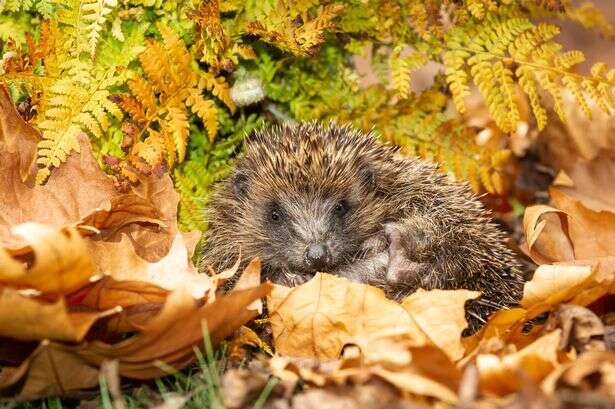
[(89, 275)]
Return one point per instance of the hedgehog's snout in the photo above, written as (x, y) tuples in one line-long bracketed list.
[(317, 257)]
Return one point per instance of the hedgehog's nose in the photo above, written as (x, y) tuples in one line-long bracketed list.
[(317, 256)]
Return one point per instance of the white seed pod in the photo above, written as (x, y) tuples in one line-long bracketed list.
[(247, 91)]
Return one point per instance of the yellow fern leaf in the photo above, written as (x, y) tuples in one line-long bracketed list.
[(402, 68), (529, 86), (94, 14), (206, 111), (134, 108), (156, 67), (457, 77), (72, 104), (145, 96), (506, 38), (219, 87), (178, 127), (160, 102)]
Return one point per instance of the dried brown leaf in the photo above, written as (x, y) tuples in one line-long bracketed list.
[(121, 260), (73, 192), (579, 283), (160, 338), (500, 375), (79, 193), (51, 370), (546, 231), (593, 370), (169, 338), (441, 316), (581, 225), (319, 317), (61, 260), (18, 141), (26, 318), (389, 356)]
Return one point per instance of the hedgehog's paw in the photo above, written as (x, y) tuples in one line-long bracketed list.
[(403, 267)]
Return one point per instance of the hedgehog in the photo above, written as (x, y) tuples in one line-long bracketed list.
[(311, 197)]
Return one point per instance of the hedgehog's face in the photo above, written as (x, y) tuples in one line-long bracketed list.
[(305, 230), (307, 235), (306, 199)]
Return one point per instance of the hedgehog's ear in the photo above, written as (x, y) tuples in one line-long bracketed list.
[(240, 184)]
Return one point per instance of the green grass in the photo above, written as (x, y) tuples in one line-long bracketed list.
[(200, 384)]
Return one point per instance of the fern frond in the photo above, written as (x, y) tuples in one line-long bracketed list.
[(74, 103), (206, 110), (402, 68), (218, 87), (94, 14), (505, 40), (161, 102), (143, 95), (280, 28), (45, 8), (177, 127), (133, 108)]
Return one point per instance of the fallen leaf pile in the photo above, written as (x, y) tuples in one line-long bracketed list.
[(88, 275)]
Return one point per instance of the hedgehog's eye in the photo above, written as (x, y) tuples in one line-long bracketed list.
[(275, 215), (341, 208)]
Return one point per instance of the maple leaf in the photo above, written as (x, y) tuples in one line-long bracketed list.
[(139, 355)]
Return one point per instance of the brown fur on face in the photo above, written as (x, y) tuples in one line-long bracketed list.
[(338, 188)]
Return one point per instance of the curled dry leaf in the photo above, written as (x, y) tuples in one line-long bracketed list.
[(581, 225), (26, 318), (546, 232), (168, 337), (61, 262), (173, 271), (551, 285), (391, 356), (499, 375), (139, 301), (160, 340), (79, 193)]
